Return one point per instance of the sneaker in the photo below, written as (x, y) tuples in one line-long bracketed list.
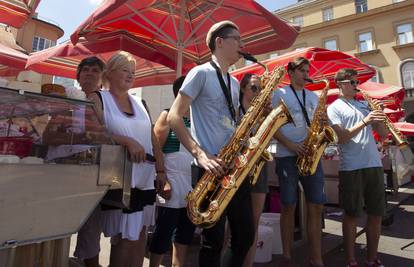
[(352, 264), (375, 263)]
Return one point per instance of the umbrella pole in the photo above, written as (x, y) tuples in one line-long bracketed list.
[(180, 44)]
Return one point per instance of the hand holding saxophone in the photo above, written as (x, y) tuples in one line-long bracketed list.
[(375, 116), (211, 163), (299, 148)]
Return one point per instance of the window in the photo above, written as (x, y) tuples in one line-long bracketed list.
[(327, 14), (407, 74), (378, 78), (330, 44), (365, 42), (40, 43), (405, 33), (298, 20), (361, 6)]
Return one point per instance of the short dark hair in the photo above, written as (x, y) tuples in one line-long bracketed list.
[(345, 74), (177, 85), (297, 63), (89, 61), (223, 32)]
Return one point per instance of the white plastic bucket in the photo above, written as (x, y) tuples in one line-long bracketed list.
[(264, 244), (273, 220)]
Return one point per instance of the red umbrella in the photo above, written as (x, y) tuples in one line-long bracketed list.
[(16, 12), (178, 27), (391, 96), (323, 64), (62, 60), (405, 128), (12, 58)]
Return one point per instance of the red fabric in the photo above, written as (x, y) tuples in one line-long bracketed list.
[(16, 12), (157, 22), (12, 58), (63, 59), (323, 64), (392, 96), (405, 128)]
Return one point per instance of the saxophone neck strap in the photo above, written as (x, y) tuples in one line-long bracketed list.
[(226, 90), (302, 106)]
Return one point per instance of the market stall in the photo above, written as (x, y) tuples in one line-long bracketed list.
[(57, 163)]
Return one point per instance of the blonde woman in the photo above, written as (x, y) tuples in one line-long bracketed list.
[(127, 119)]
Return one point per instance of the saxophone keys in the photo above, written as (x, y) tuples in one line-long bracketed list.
[(241, 161), (228, 182), (252, 142)]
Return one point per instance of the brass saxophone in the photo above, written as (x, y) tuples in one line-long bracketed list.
[(320, 135), (399, 138), (244, 152)]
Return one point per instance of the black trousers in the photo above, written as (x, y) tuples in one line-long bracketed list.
[(240, 217)]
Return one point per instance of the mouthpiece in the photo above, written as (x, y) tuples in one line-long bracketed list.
[(249, 57), (309, 80)]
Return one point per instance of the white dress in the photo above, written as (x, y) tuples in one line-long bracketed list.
[(138, 127)]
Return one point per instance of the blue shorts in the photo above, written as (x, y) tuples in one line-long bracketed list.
[(172, 225), (313, 185)]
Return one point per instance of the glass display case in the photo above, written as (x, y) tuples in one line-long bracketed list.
[(57, 162)]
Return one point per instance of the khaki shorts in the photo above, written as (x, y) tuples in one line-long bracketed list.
[(362, 188)]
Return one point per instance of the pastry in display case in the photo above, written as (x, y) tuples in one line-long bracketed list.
[(57, 162)]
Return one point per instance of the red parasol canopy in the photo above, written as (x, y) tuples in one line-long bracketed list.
[(178, 28), (62, 60), (405, 128), (16, 12), (392, 96), (12, 58), (323, 64)]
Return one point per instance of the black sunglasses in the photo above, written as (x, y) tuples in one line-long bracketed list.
[(254, 88), (352, 82)]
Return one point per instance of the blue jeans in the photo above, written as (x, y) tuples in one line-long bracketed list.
[(313, 185)]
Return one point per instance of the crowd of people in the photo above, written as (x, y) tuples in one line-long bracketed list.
[(170, 155)]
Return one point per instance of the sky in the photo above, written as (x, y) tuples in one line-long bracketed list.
[(69, 14)]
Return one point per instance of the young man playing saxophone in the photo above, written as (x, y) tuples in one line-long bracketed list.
[(214, 97), (302, 104), (361, 176)]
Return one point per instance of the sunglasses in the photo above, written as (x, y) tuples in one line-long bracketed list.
[(351, 82), (254, 88)]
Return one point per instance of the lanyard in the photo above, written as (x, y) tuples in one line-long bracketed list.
[(305, 113), (226, 90)]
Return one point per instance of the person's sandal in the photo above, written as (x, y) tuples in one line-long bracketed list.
[(375, 263), (352, 264)]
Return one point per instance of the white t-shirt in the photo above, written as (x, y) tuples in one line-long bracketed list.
[(211, 121), (297, 131), (361, 151)]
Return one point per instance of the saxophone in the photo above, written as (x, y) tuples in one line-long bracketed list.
[(320, 135), (400, 139), (245, 153)]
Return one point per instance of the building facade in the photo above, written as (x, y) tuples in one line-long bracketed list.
[(38, 34), (378, 32)]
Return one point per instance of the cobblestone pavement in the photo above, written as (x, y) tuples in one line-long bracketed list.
[(397, 232)]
